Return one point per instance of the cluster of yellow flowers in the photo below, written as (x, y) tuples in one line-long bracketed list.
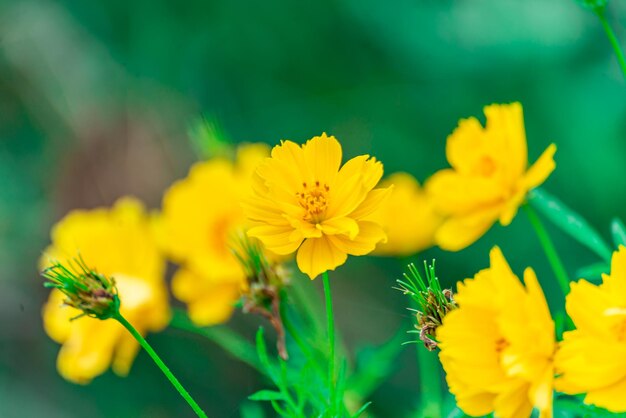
[(498, 347), (499, 350)]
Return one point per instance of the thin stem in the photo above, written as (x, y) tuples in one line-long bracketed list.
[(548, 248), (430, 388), (331, 341), (166, 371), (228, 340), (612, 38)]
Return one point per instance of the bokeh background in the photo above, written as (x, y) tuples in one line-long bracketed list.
[(96, 99)]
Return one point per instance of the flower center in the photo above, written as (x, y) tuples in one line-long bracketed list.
[(314, 199), (486, 166), (501, 345)]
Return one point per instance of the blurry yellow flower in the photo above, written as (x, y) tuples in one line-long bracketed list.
[(497, 347), (305, 202), (117, 243), (200, 221), (408, 217), (489, 179), (592, 358)]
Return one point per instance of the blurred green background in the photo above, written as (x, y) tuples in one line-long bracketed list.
[(96, 98)]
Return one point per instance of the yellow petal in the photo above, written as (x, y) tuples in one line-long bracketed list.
[(453, 193), (354, 181), (337, 226), (541, 169), (610, 397), (506, 123), (89, 350), (615, 283), (372, 202), (125, 353), (278, 239), (249, 156), (317, 255), (369, 234), (465, 144), (458, 232), (216, 305), (323, 154)]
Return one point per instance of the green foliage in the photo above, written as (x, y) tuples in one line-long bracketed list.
[(569, 222), (618, 231), (573, 407), (594, 4), (209, 140)]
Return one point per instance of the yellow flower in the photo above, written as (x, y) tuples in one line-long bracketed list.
[(408, 216), (592, 358), (488, 180), (303, 201), (497, 347), (117, 243), (200, 220)]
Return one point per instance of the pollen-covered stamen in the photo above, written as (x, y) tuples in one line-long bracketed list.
[(314, 200), (501, 345)]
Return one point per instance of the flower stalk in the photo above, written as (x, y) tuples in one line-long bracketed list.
[(331, 342), (97, 297), (265, 282), (157, 360), (549, 249)]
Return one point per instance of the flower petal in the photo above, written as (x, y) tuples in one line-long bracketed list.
[(278, 239), (344, 225), (372, 202), (458, 232), (323, 154), (370, 234), (541, 169), (317, 255)]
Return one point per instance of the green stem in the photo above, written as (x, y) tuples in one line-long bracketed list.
[(166, 371), (331, 341), (428, 364), (548, 248), (228, 340), (612, 38)]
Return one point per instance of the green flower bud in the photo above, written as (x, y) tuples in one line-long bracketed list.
[(85, 289)]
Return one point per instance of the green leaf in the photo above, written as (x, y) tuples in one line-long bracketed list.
[(267, 395), (375, 364), (261, 350), (619, 232), (361, 410), (252, 410), (593, 272), (594, 4), (209, 139), (569, 222)]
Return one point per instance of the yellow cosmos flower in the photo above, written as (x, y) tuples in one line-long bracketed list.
[(592, 358), (497, 346), (305, 201), (408, 216), (488, 180), (200, 221), (117, 243)]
